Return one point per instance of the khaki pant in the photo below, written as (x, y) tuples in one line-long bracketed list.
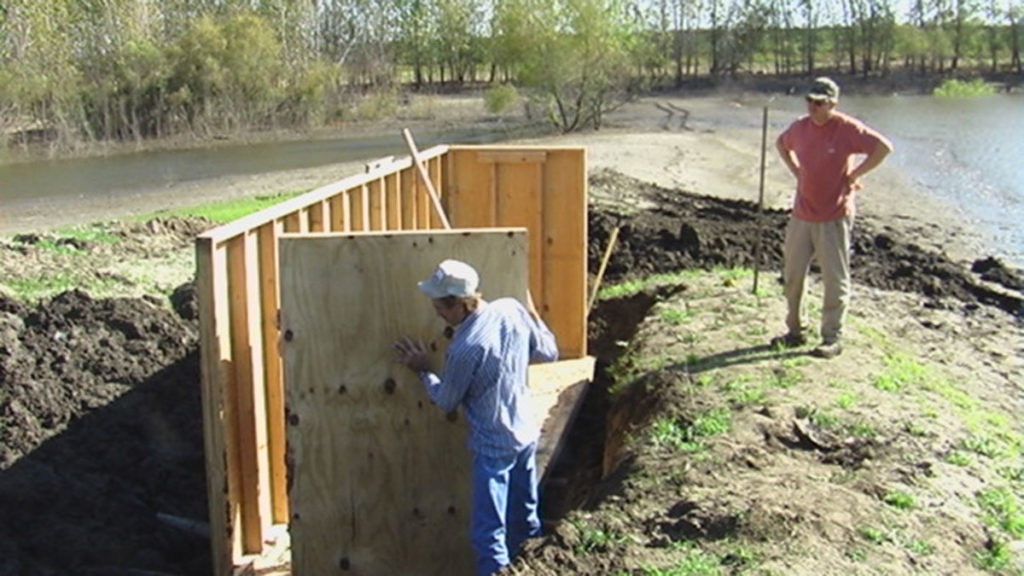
[(829, 243)]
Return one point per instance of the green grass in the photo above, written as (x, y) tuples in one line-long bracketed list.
[(742, 390), (996, 557), (594, 539), (711, 423), (900, 372), (668, 432), (695, 562), (676, 316), (689, 438), (1002, 508), (920, 547), (899, 500), (819, 417), (732, 276), (637, 285), (958, 458), (874, 535), (35, 288), (225, 210), (785, 376), (984, 445)]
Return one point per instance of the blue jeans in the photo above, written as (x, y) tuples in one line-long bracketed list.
[(505, 504)]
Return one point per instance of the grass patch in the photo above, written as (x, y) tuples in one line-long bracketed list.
[(711, 423), (784, 377), (35, 288), (695, 562), (637, 285), (900, 372), (996, 557), (594, 539), (676, 316), (874, 535), (958, 458), (225, 210), (984, 445), (818, 417), (689, 438), (732, 276), (743, 391), (899, 500), (1002, 509), (847, 400)]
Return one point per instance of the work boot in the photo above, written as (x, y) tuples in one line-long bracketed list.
[(828, 349), (788, 340)]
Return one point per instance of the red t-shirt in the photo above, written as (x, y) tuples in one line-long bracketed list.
[(825, 154)]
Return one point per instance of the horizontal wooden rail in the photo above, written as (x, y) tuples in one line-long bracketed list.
[(317, 196)]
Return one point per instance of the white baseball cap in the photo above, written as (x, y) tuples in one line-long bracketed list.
[(451, 278)]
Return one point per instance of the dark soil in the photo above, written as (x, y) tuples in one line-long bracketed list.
[(100, 411)]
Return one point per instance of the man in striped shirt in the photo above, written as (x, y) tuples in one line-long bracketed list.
[(485, 371)]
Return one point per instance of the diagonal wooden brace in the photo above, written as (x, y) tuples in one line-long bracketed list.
[(426, 178)]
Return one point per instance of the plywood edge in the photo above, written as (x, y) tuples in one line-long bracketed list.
[(400, 233), (557, 391), (209, 278), (294, 205), (512, 156)]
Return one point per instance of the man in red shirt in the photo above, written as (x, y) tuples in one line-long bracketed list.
[(821, 149)]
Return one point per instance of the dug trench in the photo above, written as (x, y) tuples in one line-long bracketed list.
[(101, 465)]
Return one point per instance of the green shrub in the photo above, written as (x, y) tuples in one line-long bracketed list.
[(501, 98), (953, 88)]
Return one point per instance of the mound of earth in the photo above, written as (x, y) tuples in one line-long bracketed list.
[(101, 464)]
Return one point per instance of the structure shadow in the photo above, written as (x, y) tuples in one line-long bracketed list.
[(738, 356), (95, 499)]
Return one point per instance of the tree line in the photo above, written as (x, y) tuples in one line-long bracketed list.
[(74, 71)]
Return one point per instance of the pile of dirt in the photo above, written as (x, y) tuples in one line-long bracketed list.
[(100, 412), (664, 231), (101, 429)]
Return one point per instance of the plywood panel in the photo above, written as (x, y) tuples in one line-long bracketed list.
[(339, 211), (358, 210), (375, 192), (393, 201), (565, 248), (380, 476), (408, 199), (519, 204), (316, 217), (472, 202)]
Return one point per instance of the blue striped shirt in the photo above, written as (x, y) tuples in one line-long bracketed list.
[(485, 370)]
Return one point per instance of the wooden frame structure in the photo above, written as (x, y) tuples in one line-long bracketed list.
[(541, 189)]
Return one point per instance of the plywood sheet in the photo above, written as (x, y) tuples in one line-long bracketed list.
[(379, 476)]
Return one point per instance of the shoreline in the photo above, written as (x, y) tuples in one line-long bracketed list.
[(708, 145)]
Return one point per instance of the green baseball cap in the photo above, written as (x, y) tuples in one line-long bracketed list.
[(824, 88)]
